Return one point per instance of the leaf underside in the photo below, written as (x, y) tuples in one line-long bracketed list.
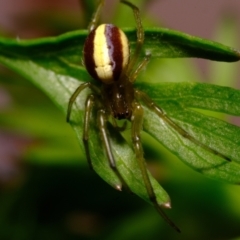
[(54, 65)]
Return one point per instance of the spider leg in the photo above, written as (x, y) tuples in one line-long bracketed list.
[(148, 101), (143, 64), (102, 118), (140, 35), (95, 18), (88, 109), (75, 94), (137, 118)]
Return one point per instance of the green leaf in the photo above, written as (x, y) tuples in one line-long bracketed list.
[(54, 65), (194, 95), (168, 43), (180, 101)]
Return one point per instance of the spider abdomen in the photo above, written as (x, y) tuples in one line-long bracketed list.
[(106, 53)]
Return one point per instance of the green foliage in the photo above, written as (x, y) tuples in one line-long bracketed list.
[(54, 66)]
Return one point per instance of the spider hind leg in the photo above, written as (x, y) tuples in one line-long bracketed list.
[(137, 118), (102, 118), (151, 105)]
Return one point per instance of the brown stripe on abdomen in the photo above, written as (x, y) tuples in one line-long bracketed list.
[(88, 54), (115, 52)]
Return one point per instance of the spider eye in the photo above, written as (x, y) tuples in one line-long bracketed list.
[(106, 53)]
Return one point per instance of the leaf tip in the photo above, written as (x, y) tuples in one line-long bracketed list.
[(237, 54), (118, 187), (166, 205)]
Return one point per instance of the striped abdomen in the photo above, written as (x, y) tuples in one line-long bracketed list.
[(106, 53)]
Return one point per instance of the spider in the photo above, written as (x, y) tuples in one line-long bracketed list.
[(106, 56)]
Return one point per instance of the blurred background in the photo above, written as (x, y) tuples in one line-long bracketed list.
[(46, 188)]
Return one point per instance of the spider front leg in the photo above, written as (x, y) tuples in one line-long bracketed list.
[(140, 36), (137, 118), (95, 18), (102, 118), (88, 110), (140, 67), (75, 95), (151, 105)]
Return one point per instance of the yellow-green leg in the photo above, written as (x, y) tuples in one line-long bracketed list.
[(95, 18), (137, 118), (76, 93), (88, 110), (140, 37), (151, 105), (102, 118)]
